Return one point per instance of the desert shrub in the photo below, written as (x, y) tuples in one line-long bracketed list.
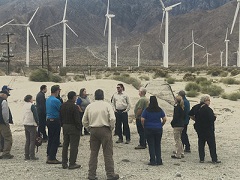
[(224, 74), (200, 79), (116, 73), (55, 78), (63, 71), (79, 77), (2, 73), (160, 73), (170, 80), (189, 77), (233, 96), (212, 90), (39, 75), (144, 77), (235, 72), (214, 72), (107, 74), (192, 86), (192, 93), (129, 80), (224, 96), (126, 75), (98, 76), (229, 81)]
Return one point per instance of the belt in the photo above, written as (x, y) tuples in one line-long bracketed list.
[(121, 110), (51, 119)]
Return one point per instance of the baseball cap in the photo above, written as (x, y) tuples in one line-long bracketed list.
[(5, 87), (5, 92), (181, 93)]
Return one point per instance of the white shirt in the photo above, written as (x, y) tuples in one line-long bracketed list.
[(120, 101)]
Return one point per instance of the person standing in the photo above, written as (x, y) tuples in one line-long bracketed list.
[(6, 88), (121, 106), (53, 124), (139, 107), (99, 120), (30, 122), (41, 110), (184, 137), (204, 118), (82, 102), (69, 114), (153, 118), (5, 130), (178, 124)]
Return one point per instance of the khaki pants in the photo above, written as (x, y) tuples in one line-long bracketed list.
[(101, 136), (177, 132), (5, 131)]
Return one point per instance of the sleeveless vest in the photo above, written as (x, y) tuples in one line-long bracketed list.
[(28, 118)]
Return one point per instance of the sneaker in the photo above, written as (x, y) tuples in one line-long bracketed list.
[(127, 142), (119, 141), (175, 157), (74, 166), (140, 147), (201, 161), (216, 162), (64, 165), (7, 156), (151, 164), (27, 158), (114, 177), (55, 161), (187, 150)]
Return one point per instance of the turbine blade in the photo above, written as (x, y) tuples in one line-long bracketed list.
[(204, 56), (6, 23), (226, 35), (17, 24), (188, 46), (33, 16), (162, 4), (108, 7), (198, 45), (192, 36), (161, 25), (235, 17), (65, 10), (33, 36), (116, 42), (106, 22), (71, 30), (141, 50), (177, 4), (53, 25)]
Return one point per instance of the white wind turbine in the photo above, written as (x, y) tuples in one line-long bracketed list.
[(65, 25), (109, 23), (139, 52), (28, 30), (226, 41), (221, 58), (234, 21), (193, 50), (6, 23), (116, 53), (206, 55), (166, 10)]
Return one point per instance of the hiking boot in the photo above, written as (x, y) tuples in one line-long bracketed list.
[(114, 177), (74, 166), (7, 156), (140, 147), (34, 158), (216, 162), (55, 161), (64, 165), (93, 178), (187, 150), (27, 158), (127, 142), (119, 141)]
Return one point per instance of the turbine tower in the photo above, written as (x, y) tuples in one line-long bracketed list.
[(65, 25), (206, 55), (139, 52), (28, 30), (166, 10), (234, 21), (109, 23), (193, 46), (221, 58), (226, 41), (116, 53)]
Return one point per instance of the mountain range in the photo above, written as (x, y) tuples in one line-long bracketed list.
[(135, 21)]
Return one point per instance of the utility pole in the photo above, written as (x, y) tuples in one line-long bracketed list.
[(44, 41), (6, 55)]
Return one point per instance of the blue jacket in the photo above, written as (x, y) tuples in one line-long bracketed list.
[(186, 111)]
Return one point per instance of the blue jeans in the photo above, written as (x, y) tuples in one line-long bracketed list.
[(154, 137), (140, 129), (122, 119), (54, 129)]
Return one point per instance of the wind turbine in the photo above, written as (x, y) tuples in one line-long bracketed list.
[(28, 30), (139, 52), (166, 10), (234, 21), (193, 50), (226, 41), (206, 55), (6, 23), (65, 25), (109, 23), (221, 58), (116, 52)]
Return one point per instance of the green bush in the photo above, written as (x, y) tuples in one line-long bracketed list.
[(170, 80), (63, 71), (224, 74), (192, 93), (107, 74), (189, 77), (200, 79), (192, 86), (233, 96), (224, 96), (212, 90), (79, 77), (215, 72), (229, 81), (55, 78), (98, 76), (126, 75), (129, 80), (39, 75), (160, 73), (116, 73), (144, 77), (235, 72), (2, 73)]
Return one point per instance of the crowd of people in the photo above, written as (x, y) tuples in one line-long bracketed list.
[(78, 116)]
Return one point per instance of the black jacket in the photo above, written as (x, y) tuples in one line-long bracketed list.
[(178, 117), (41, 103)]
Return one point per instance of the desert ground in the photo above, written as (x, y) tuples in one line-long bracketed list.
[(130, 164)]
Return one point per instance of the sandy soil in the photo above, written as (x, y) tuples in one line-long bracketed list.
[(131, 164)]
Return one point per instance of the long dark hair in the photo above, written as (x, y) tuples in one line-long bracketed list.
[(153, 105), (81, 92)]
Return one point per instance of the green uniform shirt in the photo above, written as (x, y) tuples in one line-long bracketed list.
[(141, 104)]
